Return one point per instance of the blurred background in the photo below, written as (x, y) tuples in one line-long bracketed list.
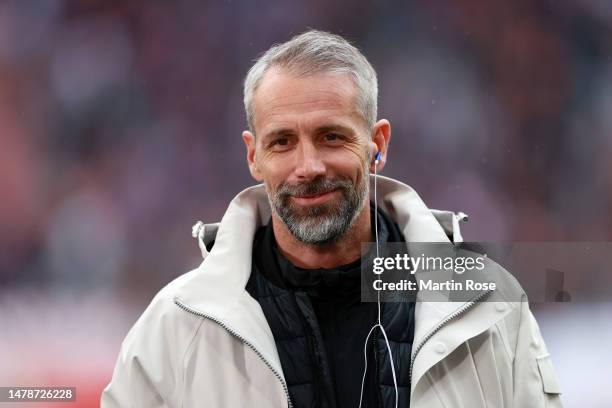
[(120, 127)]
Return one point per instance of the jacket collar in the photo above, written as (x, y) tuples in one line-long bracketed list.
[(217, 288)]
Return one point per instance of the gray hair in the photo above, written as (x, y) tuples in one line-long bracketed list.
[(314, 52)]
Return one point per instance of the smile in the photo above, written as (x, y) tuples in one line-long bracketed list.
[(314, 199)]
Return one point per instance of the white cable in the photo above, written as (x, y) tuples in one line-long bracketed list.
[(378, 321), (365, 357)]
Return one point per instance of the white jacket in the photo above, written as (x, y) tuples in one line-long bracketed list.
[(204, 342)]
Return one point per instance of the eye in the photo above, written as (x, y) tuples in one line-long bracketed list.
[(281, 143), (332, 137)]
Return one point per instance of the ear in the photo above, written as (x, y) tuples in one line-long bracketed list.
[(250, 143), (381, 135)]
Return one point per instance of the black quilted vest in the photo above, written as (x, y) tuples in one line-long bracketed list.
[(307, 368)]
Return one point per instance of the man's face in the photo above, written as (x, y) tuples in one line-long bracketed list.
[(312, 152)]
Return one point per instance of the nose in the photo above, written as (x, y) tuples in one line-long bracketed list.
[(309, 164)]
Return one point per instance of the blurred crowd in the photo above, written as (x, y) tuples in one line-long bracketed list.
[(120, 121), (120, 126)]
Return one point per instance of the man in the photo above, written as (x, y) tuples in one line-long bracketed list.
[(273, 316)]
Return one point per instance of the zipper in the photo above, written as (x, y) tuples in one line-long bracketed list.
[(242, 339), (464, 308)]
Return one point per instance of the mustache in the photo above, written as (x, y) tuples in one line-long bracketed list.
[(317, 186)]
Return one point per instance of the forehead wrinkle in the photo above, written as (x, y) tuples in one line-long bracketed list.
[(327, 112), (277, 104), (322, 115), (275, 98)]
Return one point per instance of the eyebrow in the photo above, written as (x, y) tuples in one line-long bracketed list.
[(277, 132), (334, 128), (318, 130)]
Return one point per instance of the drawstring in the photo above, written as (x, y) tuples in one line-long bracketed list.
[(198, 231), (459, 217)]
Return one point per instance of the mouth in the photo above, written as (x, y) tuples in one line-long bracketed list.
[(314, 199)]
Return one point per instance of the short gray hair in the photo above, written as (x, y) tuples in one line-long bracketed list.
[(314, 52)]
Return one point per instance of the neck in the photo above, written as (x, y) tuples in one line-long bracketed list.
[(345, 250)]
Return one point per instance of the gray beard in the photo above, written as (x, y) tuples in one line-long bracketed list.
[(322, 224)]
